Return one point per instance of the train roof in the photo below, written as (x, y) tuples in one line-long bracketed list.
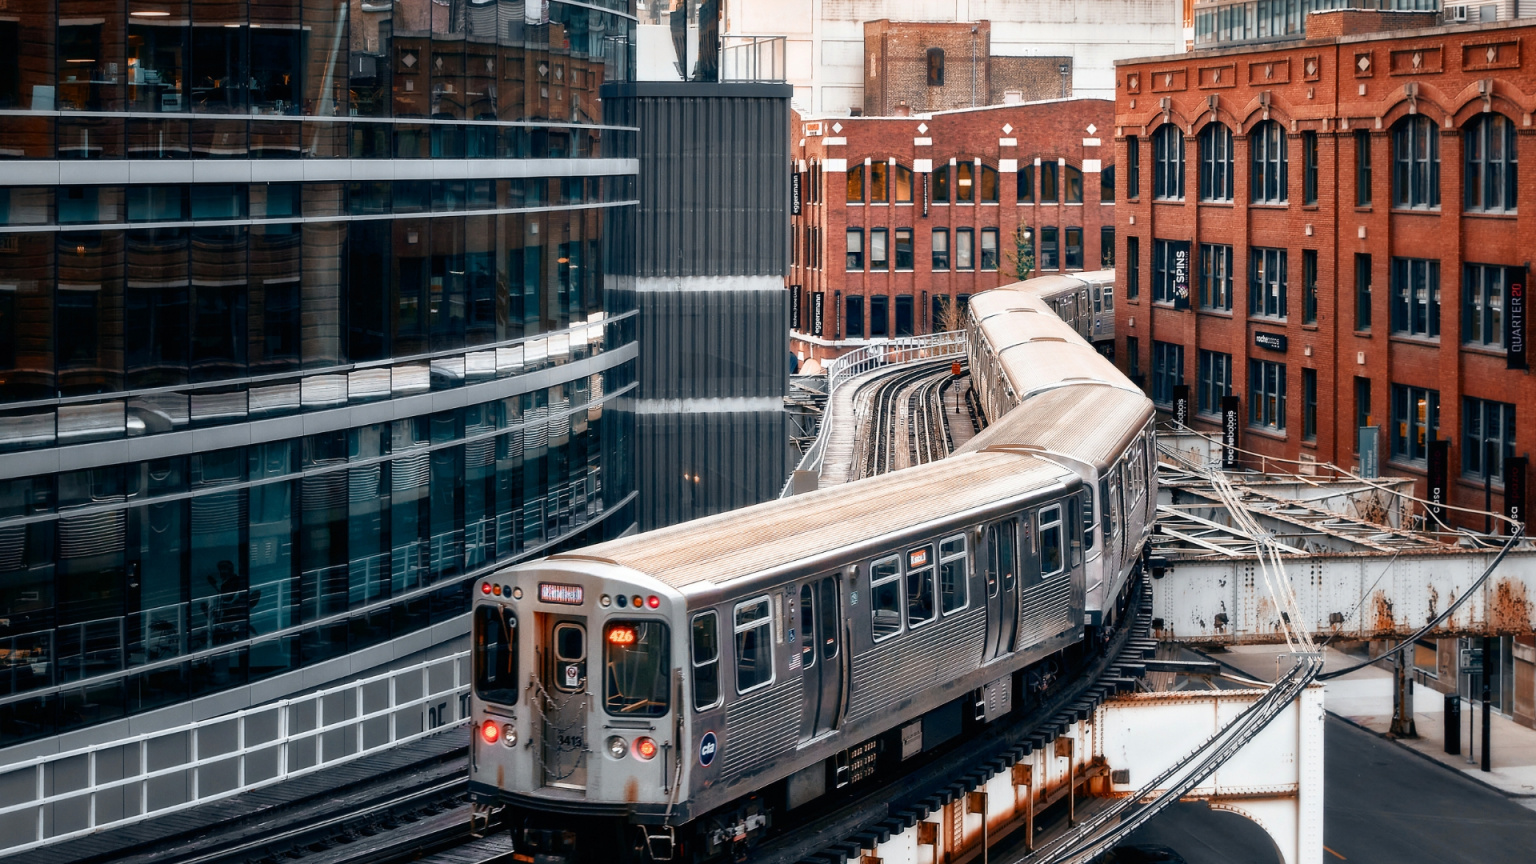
[(711, 550), (1090, 422)]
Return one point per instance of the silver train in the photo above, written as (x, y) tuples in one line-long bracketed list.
[(751, 665)]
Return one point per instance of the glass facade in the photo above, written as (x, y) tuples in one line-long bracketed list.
[(308, 316)]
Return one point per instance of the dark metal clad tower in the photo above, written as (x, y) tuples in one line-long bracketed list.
[(711, 248)]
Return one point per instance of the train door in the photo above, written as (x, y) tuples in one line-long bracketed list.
[(819, 636), (1001, 570), (564, 697)]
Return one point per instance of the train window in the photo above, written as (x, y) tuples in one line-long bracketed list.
[(952, 573), (1107, 522), (1087, 496), (706, 660), (828, 619), (921, 605), (807, 627), (496, 654), (754, 645), (885, 598), (1000, 559), (1072, 528), (1051, 561), (637, 668)]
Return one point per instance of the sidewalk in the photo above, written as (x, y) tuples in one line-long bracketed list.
[(1364, 697)]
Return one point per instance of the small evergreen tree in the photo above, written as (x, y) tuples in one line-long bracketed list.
[(1023, 254)]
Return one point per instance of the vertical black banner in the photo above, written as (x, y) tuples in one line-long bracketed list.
[(1181, 404), (816, 312), (1515, 468), (925, 193), (1439, 477), (1231, 421), (794, 308), (1514, 320), (794, 193), (1180, 271)]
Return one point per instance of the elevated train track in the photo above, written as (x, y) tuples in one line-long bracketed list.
[(1099, 452)]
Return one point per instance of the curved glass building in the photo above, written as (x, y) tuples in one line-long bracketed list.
[(307, 318)]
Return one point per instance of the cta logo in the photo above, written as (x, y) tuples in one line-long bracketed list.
[(708, 747)]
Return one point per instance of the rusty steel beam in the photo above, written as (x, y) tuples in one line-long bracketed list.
[(1348, 596)]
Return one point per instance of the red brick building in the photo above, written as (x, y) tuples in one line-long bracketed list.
[(898, 215), (1335, 231)]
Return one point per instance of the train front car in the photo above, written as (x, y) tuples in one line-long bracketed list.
[(578, 709)]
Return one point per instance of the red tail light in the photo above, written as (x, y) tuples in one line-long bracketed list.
[(485, 587), (645, 748), (653, 601), (490, 731)]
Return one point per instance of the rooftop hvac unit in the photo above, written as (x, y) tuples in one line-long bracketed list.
[(1457, 13)]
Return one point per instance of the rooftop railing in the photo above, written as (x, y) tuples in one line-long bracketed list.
[(753, 58), (1275, 20)]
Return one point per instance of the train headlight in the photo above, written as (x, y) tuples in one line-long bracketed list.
[(645, 749), (509, 735), (605, 601), (617, 747), (490, 731)]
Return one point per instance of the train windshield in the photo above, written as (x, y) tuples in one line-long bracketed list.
[(637, 665), (496, 654)]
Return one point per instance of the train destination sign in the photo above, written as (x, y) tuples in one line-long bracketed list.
[(569, 595)]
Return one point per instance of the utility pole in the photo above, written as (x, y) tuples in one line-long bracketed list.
[(1402, 697), (1487, 697)]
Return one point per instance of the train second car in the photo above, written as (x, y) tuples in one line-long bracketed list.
[(677, 694)]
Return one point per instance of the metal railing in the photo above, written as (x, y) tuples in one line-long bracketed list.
[(753, 58), (892, 352), (78, 792)]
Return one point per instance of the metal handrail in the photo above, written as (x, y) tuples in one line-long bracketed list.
[(288, 764), (890, 352)]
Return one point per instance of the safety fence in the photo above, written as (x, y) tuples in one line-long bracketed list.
[(59, 796)]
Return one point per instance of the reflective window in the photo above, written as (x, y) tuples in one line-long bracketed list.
[(1416, 163), (637, 668), (1416, 297), (1216, 163), (885, 598), (754, 645), (1051, 558), (855, 184), (1491, 164), (941, 249), (1026, 182), (954, 578), (1270, 163), (1415, 422), (1167, 163), (902, 176), (706, 660), (922, 606), (1072, 185), (879, 183), (496, 654), (965, 173), (807, 627), (989, 184)]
